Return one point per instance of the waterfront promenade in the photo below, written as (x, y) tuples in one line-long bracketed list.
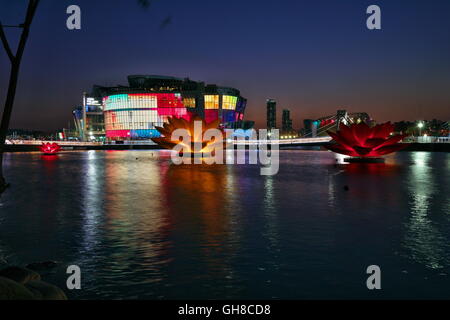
[(439, 144)]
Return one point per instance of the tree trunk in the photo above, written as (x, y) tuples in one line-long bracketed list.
[(14, 77), (6, 117)]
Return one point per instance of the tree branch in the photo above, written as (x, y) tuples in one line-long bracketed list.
[(32, 5), (6, 44)]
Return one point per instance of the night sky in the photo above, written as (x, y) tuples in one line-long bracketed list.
[(313, 57)]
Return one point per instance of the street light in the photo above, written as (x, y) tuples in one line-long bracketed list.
[(420, 125)]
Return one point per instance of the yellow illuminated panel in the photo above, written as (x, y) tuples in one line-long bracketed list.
[(211, 102), (229, 102), (189, 102)]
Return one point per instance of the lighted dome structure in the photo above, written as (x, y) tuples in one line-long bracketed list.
[(133, 112)]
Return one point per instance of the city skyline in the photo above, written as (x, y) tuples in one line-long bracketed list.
[(225, 158), (329, 58)]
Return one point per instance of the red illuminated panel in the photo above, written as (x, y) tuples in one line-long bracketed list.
[(211, 115), (117, 133), (169, 100), (173, 112), (165, 100), (324, 123)]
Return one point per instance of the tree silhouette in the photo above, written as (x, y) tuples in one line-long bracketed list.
[(15, 60)]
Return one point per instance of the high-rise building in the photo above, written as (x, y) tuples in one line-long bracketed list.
[(271, 114), (286, 122), (89, 120)]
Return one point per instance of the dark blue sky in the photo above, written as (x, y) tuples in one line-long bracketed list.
[(313, 57)]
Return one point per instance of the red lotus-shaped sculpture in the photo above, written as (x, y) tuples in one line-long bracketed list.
[(360, 140), (50, 148)]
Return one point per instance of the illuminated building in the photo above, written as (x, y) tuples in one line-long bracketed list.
[(287, 132), (133, 111), (89, 120), (271, 114)]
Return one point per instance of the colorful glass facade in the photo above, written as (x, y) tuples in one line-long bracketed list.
[(136, 115), (133, 112)]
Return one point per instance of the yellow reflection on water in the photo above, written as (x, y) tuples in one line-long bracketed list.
[(197, 193), (199, 201)]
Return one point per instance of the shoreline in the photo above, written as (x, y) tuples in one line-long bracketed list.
[(11, 148)]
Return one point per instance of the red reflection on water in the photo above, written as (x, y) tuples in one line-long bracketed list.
[(49, 157), (372, 168), (369, 185)]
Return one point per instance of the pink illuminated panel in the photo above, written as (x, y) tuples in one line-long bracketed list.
[(118, 133)]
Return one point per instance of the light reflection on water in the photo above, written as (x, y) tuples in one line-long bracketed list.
[(423, 238), (139, 226)]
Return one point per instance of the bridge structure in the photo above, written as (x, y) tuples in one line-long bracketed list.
[(319, 127), (318, 141), (316, 130)]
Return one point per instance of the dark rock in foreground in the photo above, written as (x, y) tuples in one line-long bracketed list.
[(24, 284), (20, 275), (11, 290), (45, 291)]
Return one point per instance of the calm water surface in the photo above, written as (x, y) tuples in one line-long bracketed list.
[(141, 227)]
